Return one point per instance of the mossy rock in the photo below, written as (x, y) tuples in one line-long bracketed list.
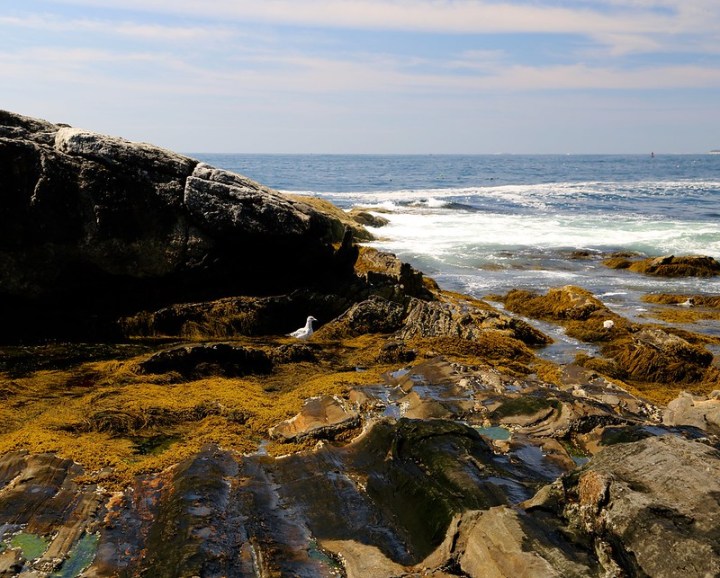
[(623, 435), (207, 360), (617, 263), (366, 218), (422, 472), (524, 405), (711, 301), (653, 355), (559, 304), (669, 266), (359, 232), (601, 365)]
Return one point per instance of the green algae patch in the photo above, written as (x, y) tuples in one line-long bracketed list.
[(623, 435), (81, 556), (525, 405), (31, 545), (424, 472), (359, 232)]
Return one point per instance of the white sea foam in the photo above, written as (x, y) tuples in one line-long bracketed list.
[(526, 194), (455, 232)]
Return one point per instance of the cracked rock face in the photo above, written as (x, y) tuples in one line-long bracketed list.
[(95, 226), (650, 508)]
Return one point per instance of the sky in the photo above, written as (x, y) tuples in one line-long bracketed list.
[(371, 76)]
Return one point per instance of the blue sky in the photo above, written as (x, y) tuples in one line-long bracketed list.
[(370, 76)]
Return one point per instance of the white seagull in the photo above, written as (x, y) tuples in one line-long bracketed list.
[(304, 332)]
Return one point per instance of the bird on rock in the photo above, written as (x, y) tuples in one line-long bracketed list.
[(304, 332)]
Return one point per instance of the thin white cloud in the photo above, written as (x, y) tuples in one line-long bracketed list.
[(157, 32), (451, 16), (266, 72), (622, 26)]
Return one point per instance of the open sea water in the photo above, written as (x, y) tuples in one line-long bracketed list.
[(486, 224)]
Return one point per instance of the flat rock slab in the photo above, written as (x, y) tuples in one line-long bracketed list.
[(699, 412), (320, 417)]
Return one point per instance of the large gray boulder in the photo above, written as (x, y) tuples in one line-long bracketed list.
[(648, 508), (93, 226)]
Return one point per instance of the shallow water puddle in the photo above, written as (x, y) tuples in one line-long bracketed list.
[(80, 557), (494, 432), (563, 349), (31, 545), (317, 554)]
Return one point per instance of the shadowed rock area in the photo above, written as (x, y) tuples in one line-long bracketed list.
[(96, 226), (157, 420)]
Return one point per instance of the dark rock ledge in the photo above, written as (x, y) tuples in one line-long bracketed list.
[(94, 227), (177, 431)]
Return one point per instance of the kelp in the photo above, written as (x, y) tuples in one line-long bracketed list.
[(684, 308), (668, 266), (99, 424)]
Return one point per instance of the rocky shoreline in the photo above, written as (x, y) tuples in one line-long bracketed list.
[(157, 420)]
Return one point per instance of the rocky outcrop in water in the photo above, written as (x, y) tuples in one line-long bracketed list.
[(668, 265), (632, 351)]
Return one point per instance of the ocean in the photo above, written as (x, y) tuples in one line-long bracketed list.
[(483, 225)]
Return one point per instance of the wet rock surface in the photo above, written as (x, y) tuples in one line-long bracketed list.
[(320, 417), (407, 498), (645, 355)]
